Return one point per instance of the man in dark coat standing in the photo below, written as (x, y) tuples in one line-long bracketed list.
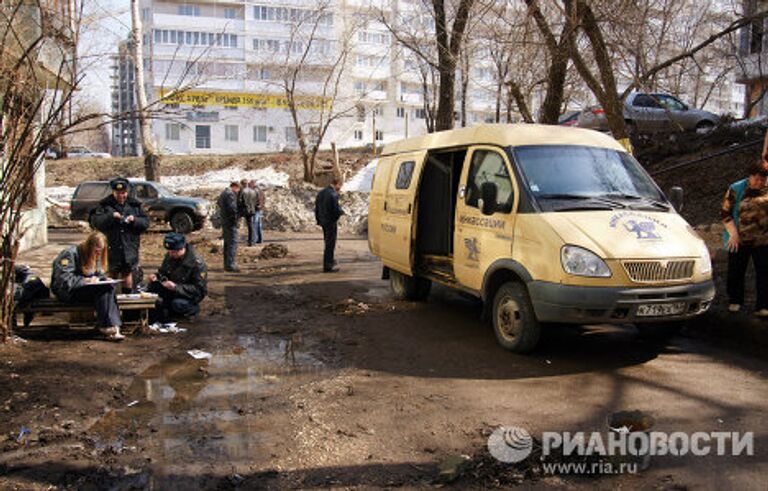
[(122, 220), (182, 280), (227, 203), (327, 214), (248, 203)]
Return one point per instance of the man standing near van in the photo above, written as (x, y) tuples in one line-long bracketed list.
[(122, 220), (327, 214), (227, 203)]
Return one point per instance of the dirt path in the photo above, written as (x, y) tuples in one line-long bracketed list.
[(320, 380)]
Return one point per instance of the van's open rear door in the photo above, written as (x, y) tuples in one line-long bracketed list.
[(398, 221)]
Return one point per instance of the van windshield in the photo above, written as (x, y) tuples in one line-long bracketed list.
[(572, 177)]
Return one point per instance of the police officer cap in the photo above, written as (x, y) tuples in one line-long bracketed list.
[(119, 184), (174, 241)]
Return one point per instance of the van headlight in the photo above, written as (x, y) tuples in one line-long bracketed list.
[(706, 261), (582, 262)]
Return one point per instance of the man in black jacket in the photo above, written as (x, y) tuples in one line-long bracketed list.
[(122, 220), (229, 215), (182, 280), (327, 214)]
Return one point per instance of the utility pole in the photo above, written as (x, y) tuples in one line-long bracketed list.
[(149, 150), (373, 114)]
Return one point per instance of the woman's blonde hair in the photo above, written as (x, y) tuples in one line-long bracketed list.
[(87, 251)]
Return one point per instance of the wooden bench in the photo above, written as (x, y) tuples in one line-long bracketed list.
[(143, 304)]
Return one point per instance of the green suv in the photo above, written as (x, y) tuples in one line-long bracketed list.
[(183, 213)]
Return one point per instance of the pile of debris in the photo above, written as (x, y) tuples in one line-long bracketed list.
[(293, 209), (273, 251)]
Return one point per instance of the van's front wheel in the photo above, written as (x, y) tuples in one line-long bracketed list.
[(406, 287), (514, 320)]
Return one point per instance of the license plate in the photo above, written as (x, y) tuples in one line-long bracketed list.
[(660, 309)]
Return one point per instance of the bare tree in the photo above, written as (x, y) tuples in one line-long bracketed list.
[(310, 58), (149, 149), (451, 24), (37, 83)]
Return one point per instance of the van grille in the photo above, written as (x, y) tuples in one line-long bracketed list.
[(655, 271)]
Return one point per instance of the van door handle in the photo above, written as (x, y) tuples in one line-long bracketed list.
[(462, 192), (385, 206), (409, 208)]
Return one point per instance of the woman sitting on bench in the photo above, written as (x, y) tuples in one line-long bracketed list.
[(79, 277)]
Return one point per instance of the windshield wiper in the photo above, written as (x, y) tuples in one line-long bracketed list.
[(651, 201), (597, 199)]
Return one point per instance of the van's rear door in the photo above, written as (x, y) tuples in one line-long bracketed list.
[(398, 220)]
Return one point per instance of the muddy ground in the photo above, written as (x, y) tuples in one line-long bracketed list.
[(321, 380)]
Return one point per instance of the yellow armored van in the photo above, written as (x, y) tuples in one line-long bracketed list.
[(543, 223)]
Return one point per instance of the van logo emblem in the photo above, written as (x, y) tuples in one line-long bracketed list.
[(644, 226), (643, 230), (473, 252)]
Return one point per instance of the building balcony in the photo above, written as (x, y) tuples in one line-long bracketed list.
[(411, 98), (191, 23)]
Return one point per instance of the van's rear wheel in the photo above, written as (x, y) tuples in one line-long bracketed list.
[(182, 222), (406, 287), (514, 320)]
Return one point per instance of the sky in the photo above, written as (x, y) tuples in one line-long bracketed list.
[(106, 23)]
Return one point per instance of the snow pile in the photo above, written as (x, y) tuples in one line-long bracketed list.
[(363, 180), (294, 210), (59, 194), (267, 177)]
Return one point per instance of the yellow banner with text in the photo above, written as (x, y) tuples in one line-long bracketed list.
[(239, 99)]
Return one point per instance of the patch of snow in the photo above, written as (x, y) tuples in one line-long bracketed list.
[(363, 180), (267, 177), (59, 194)]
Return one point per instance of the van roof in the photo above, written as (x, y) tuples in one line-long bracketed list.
[(505, 135)]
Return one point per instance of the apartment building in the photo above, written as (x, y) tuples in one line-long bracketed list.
[(125, 128), (753, 62), (221, 66)]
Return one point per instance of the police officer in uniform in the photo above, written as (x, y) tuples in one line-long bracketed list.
[(122, 220), (228, 209), (182, 280), (78, 274), (327, 214)]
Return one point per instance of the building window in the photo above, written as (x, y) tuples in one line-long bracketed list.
[(756, 37), (146, 13), (358, 134), (193, 10), (230, 13), (172, 131), (260, 134), (290, 135), (421, 113), (202, 136), (231, 132), (400, 112)]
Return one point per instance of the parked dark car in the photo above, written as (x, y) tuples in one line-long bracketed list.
[(651, 113), (183, 213)]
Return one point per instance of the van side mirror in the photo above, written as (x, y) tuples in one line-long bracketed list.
[(488, 194), (676, 198)]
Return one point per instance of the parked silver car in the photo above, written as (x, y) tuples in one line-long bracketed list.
[(651, 113)]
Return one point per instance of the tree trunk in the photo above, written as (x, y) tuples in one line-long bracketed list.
[(608, 96), (522, 105), (149, 150)]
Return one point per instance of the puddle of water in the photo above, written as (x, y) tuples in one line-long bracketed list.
[(202, 412)]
